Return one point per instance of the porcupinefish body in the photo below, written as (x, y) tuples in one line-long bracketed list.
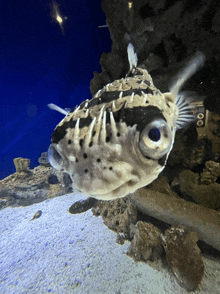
[(120, 140)]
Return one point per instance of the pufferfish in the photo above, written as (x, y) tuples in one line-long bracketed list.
[(119, 141)]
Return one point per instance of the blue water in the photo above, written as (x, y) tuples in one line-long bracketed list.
[(40, 65)]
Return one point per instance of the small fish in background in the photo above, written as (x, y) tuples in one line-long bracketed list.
[(57, 16), (36, 215), (120, 140)]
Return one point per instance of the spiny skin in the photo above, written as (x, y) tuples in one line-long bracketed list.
[(97, 143)]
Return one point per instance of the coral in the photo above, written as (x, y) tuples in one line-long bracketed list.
[(21, 164), (146, 243), (183, 256)]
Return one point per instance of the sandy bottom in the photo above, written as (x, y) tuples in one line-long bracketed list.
[(64, 253)]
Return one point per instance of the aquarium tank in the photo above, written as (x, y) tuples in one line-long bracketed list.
[(49, 52)]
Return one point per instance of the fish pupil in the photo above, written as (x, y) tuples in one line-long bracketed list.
[(154, 134)]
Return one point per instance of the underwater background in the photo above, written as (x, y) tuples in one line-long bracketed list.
[(41, 63)]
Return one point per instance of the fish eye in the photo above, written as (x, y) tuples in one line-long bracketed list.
[(155, 139), (154, 134), (54, 157)]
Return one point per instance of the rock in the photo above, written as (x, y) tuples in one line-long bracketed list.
[(205, 195), (82, 206), (147, 243), (173, 210), (161, 185), (25, 188), (43, 160), (210, 173), (188, 181), (52, 179), (68, 183), (21, 164), (183, 256), (118, 215)]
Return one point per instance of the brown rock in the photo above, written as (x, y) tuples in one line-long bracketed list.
[(183, 256), (146, 243)]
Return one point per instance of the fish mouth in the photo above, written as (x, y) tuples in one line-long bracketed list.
[(121, 191)]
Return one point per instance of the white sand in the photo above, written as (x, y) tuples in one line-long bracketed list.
[(64, 253)]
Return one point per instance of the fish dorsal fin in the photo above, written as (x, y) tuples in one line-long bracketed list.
[(194, 64), (132, 57)]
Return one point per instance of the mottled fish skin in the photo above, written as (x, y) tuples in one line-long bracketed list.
[(102, 144)]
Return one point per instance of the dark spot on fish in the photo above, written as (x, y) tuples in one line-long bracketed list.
[(82, 105), (165, 135), (117, 223), (86, 170), (69, 142), (107, 139), (85, 155), (81, 142), (168, 105), (147, 82), (146, 101), (93, 134), (90, 144), (77, 159), (110, 168), (118, 134), (98, 160)]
